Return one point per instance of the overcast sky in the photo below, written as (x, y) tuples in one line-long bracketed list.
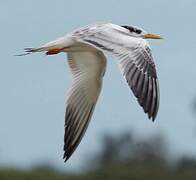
[(33, 88)]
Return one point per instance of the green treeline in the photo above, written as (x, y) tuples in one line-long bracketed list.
[(122, 157)]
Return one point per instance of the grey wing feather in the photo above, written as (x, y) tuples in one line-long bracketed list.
[(87, 69), (142, 79), (135, 60)]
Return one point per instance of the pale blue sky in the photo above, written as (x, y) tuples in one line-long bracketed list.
[(33, 88)]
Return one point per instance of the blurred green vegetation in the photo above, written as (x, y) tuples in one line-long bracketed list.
[(123, 157)]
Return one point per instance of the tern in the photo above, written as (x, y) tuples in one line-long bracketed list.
[(85, 48)]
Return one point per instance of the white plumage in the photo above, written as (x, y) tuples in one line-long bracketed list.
[(85, 49)]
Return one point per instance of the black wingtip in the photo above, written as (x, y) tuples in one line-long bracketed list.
[(67, 154), (151, 117), (66, 157)]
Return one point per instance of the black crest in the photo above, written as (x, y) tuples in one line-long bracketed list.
[(133, 29)]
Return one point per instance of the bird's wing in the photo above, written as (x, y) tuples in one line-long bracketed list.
[(135, 60), (140, 73), (88, 69)]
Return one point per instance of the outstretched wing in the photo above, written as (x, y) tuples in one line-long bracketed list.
[(139, 71), (88, 69), (135, 60)]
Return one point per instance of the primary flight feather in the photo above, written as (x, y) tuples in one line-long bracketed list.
[(85, 48)]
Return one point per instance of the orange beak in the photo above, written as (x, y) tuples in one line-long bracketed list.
[(152, 36)]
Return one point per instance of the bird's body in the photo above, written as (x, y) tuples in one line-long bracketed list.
[(85, 49)]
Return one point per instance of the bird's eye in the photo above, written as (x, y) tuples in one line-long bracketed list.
[(138, 31)]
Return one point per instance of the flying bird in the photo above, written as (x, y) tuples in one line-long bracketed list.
[(85, 48)]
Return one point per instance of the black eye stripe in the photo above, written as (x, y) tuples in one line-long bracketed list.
[(132, 29)]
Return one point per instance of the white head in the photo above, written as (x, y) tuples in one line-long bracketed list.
[(140, 33)]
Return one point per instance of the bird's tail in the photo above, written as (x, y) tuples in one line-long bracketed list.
[(31, 50), (53, 47), (49, 51)]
